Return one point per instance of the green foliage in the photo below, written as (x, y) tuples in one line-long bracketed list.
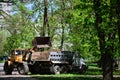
[(20, 28), (76, 16), (3, 35), (82, 32), (78, 20), (21, 40)]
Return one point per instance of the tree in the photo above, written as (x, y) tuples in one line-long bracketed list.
[(62, 23), (118, 18), (20, 40), (45, 21), (82, 34), (106, 35), (19, 25)]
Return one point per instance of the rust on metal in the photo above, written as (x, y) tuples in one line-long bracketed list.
[(40, 56)]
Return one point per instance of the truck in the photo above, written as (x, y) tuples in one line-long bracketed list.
[(17, 59), (42, 59)]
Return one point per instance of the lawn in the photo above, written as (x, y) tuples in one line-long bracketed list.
[(68, 78)]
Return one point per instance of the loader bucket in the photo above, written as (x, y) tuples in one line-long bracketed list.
[(41, 42)]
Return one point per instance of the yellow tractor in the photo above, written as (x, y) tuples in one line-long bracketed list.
[(17, 58)]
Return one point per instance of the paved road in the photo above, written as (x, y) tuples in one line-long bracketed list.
[(1, 69)]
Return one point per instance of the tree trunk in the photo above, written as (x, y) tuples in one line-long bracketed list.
[(108, 57), (62, 22), (106, 53), (100, 32), (45, 23), (118, 20), (107, 66)]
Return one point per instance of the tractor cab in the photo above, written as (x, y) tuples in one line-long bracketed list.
[(16, 55), (16, 60)]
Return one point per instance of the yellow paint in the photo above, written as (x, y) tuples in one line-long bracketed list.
[(18, 58)]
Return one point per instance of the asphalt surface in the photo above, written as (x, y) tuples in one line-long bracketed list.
[(1, 69)]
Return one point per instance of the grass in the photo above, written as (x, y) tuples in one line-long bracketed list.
[(69, 78)]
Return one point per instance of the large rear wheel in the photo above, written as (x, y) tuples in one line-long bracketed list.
[(64, 69), (8, 68), (32, 69)]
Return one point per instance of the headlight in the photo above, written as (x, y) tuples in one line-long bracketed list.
[(9, 57)]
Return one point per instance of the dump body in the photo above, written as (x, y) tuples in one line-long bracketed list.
[(53, 56), (60, 57), (40, 56)]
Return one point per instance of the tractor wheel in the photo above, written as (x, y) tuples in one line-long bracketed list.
[(23, 69), (57, 69), (83, 69), (8, 68)]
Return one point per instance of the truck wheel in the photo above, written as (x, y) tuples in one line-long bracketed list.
[(57, 69), (8, 68), (83, 69), (64, 69), (31, 69), (23, 69)]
